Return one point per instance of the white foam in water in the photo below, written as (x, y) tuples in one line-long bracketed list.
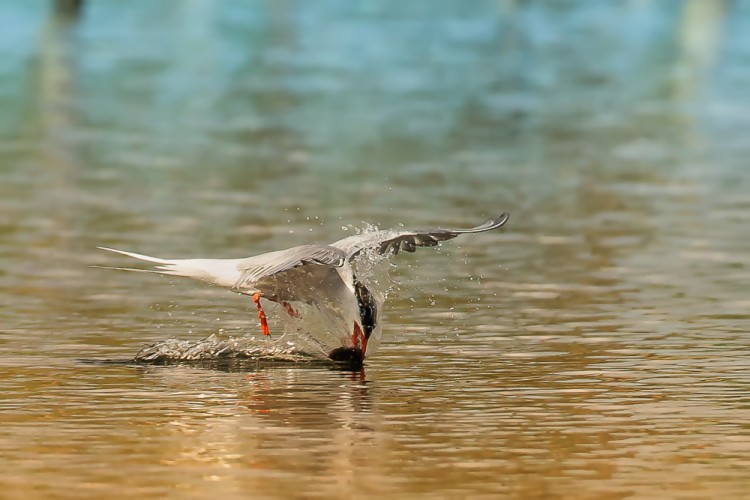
[(215, 348)]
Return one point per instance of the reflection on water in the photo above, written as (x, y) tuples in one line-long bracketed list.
[(595, 349)]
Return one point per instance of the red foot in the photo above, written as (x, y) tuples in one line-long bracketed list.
[(261, 314), (290, 310)]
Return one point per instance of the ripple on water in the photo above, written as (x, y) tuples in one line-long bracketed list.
[(595, 348)]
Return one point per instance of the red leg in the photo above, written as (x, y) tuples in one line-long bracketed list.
[(261, 314), (290, 310)]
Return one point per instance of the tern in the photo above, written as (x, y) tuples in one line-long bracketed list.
[(315, 274)]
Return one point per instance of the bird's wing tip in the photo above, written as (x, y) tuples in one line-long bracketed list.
[(491, 223), (500, 219)]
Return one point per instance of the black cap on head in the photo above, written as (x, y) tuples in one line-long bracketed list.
[(349, 357)]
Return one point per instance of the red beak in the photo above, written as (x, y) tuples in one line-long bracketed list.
[(364, 346), (359, 339)]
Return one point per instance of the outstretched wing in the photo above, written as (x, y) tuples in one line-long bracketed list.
[(394, 241), (269, 264)]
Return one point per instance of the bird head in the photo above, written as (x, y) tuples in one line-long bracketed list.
[(348, 357)]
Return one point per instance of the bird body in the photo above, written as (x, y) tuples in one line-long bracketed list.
[(317, 276)]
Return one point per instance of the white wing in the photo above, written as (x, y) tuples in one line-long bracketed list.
[(254, 269)]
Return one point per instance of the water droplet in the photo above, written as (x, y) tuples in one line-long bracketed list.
[(344, 228)]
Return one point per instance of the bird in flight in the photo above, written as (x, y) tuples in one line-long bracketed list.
[(316, 274)]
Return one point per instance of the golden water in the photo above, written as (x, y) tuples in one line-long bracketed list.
[(596, 348)]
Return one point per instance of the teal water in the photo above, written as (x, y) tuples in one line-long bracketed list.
[(596, 348)]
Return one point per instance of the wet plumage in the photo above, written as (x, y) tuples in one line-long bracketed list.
[(321, 276)]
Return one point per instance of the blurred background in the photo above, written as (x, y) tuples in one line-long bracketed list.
[(595, 348)]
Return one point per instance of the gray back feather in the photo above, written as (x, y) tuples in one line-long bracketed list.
[(262, 266)]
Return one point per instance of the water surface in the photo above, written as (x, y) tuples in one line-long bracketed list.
[(595, 348)]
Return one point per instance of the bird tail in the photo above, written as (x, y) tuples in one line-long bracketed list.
[(222, 272)]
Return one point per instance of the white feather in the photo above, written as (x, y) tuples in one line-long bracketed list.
[(221, 272)]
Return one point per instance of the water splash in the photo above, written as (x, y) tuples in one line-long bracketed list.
[(215, 348), (299, 331)]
